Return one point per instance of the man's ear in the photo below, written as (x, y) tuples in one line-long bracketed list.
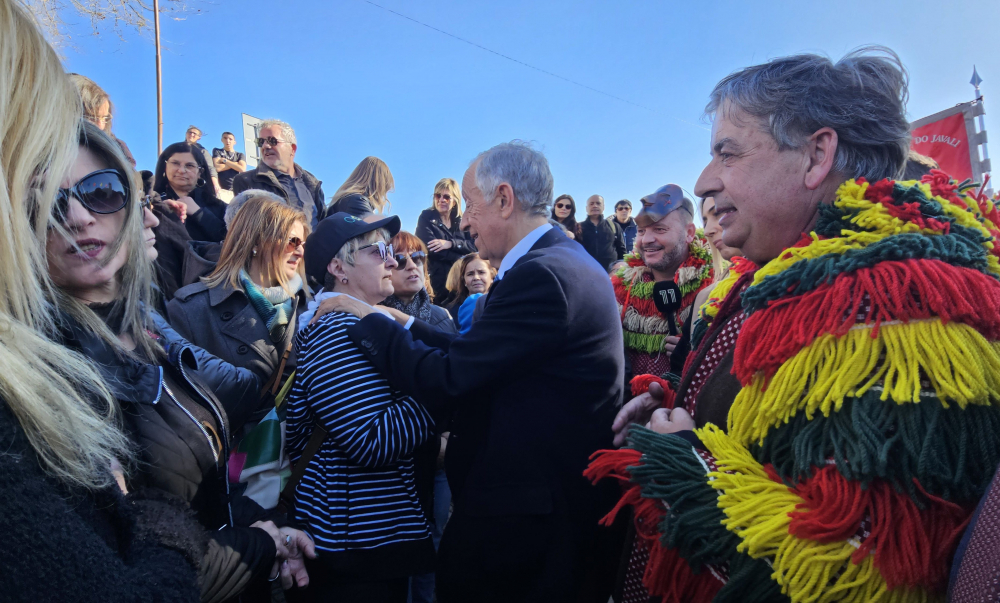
[(821, 151), (336, 268), (295, 147), (507, 200), (692, 232)]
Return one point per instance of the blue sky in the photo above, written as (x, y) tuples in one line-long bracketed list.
[(355, 80)]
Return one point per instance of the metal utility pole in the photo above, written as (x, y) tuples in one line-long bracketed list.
[(159, 83), (975, 81)]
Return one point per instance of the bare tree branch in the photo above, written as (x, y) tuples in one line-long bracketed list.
[(117, 15)]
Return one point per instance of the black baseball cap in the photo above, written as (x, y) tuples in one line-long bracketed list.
[(330, 235)]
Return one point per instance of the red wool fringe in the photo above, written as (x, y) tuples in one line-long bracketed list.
[(640, 385), (667, 574), (882, 192), (912, 546), (907, 290)]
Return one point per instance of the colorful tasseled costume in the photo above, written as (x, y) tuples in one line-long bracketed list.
[(644, 327), (868, 424)]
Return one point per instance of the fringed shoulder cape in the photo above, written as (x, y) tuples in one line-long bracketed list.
[(868, 423)]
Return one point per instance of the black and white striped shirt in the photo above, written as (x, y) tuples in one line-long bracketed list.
[(358, 492)]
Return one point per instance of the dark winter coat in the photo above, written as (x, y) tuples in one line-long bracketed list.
[(430, 227), (67, 544), (354, 204), (176, 455), (209, 222), (603, 241), (221, 321), (262, 178)]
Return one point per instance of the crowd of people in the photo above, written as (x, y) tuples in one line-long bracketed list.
[(220, 385)]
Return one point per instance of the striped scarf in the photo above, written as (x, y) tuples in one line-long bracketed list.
[(273, 304)]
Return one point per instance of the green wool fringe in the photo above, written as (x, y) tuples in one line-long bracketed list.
[(698, 329), (952, 452), (805, 276), (643, 342), (642, 290), (671, 472)]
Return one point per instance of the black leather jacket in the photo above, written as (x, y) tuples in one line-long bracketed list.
[(178, 452)]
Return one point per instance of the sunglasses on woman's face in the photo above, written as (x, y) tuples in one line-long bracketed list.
[(563, 206), (293, 244), (101, 192), (444, 196), (384, 250), (418, 258)]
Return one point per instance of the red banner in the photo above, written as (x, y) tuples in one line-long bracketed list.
[(947, 142)]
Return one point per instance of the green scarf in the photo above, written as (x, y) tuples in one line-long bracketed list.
[(274, 304)]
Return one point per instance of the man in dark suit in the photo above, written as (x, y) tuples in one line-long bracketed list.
[(530, 391)]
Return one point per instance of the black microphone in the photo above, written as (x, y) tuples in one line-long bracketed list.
[(667, 297)]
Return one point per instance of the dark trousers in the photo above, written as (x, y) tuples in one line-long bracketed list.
[(524, 559), (329, 587)]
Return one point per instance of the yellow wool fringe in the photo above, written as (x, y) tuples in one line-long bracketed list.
[(960, 364), (757, 509)]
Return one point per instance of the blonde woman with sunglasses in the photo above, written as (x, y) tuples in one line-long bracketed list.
[(440, 228)]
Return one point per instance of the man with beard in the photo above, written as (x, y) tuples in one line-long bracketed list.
[(832, 434), (671, 260)]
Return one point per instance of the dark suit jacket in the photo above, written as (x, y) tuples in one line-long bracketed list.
[(532, 389)]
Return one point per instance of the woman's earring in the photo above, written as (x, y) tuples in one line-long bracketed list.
[(254, 252), (201, 182), (343, 280)]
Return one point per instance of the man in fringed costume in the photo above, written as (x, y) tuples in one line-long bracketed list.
[(668, 248), (863, 419)]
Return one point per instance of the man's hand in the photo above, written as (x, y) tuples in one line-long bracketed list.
[(637, 410), (178, 207), (670, 421), (293, 569), (669, 343), (436, 245), (342, 303)]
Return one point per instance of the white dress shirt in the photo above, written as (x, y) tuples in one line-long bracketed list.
[(523, 246)]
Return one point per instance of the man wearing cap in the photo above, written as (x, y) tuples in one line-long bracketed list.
[(625, 223), (526, 390), (601, 237), (657, 287), (352, 434)]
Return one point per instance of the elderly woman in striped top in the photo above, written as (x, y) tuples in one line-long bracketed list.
[(357, 497)]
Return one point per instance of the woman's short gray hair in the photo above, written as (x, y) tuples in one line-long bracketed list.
[(524, 169), (348, 252), (862, 97), (286, 130), (238, 201)]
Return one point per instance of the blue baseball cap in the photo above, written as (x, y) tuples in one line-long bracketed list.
[(332, 233)]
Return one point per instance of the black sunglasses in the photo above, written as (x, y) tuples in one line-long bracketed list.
[(271, 140), (418, 258), (101, 192), (563, 206)]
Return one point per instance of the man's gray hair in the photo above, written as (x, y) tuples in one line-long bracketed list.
[(286, 130), (524, 169), (862, 97), (238, 201)]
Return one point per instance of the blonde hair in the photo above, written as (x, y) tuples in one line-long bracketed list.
[(372, 179), (450, 185), (60, 401), (262, 225), (719, 265), (92, 96)]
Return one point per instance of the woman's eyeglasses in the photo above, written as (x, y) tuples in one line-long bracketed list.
[(271, 140), (187, 167), (99, 120), (384, 249), (293, 244), (563, 206), (101, 192), (418, 257), (444, 196)]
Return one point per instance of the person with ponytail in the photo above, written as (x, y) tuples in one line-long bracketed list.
[(70, 531)]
